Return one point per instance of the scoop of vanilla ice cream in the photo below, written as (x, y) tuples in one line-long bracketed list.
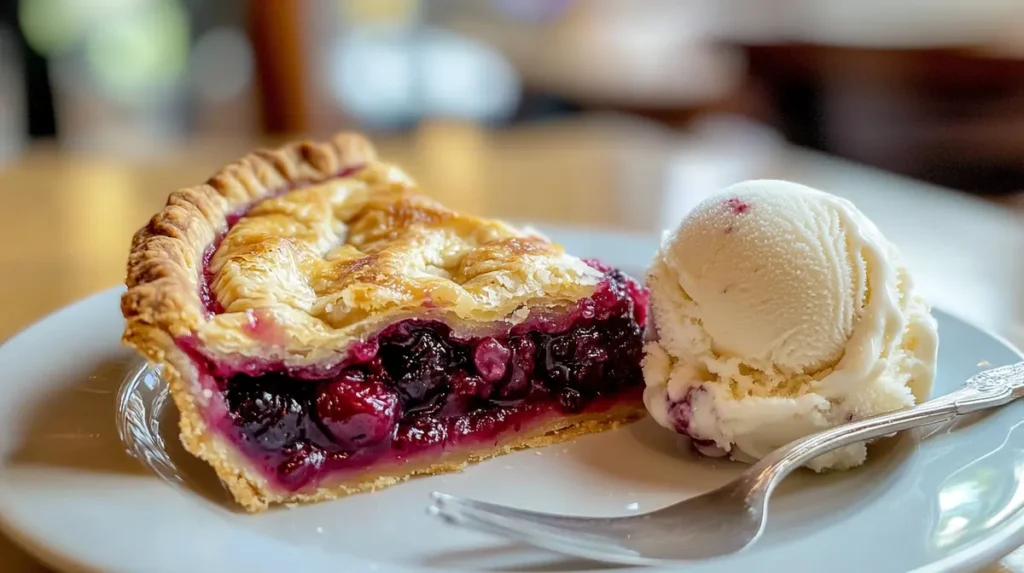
[(777, 311)]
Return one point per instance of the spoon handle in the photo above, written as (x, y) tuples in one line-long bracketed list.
[(988, 389)]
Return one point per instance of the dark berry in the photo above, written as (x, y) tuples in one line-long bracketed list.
[(572, 400), (463, 384), (465, 392), (520, 371), (590, 377), (640, 299), (491, 359), (422, 432), (590, 353), (487, 423), (634, 297), (357, 414), (558, 352), (301, 466), (590, 346), (268, 416), (375, 367), (426, 349), (607, 301), (418, 365), (623, 375)]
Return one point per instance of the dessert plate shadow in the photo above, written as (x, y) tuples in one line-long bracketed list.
[(949, 498)]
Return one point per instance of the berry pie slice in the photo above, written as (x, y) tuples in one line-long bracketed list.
[(327, 329)]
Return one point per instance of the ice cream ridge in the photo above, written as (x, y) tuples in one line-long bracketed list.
[(777, 311)]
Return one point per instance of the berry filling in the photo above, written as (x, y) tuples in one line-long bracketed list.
[(417, 388)]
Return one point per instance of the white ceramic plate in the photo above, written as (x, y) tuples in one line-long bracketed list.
[(950, 498)]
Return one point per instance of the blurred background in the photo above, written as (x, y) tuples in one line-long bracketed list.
[(610, 114), (933, 89), (616, 115)]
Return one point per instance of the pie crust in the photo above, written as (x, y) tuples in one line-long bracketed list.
[(289, 258)]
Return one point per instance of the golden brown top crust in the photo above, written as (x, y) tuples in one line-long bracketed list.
[(304, 274)]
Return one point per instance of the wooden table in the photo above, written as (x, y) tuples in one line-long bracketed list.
[(66, 218)]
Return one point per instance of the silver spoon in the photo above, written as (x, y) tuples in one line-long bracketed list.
[(729, 518)]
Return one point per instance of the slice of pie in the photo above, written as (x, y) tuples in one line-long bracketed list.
[(328, 329)]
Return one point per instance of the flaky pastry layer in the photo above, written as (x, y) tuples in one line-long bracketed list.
[(328, 245)]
